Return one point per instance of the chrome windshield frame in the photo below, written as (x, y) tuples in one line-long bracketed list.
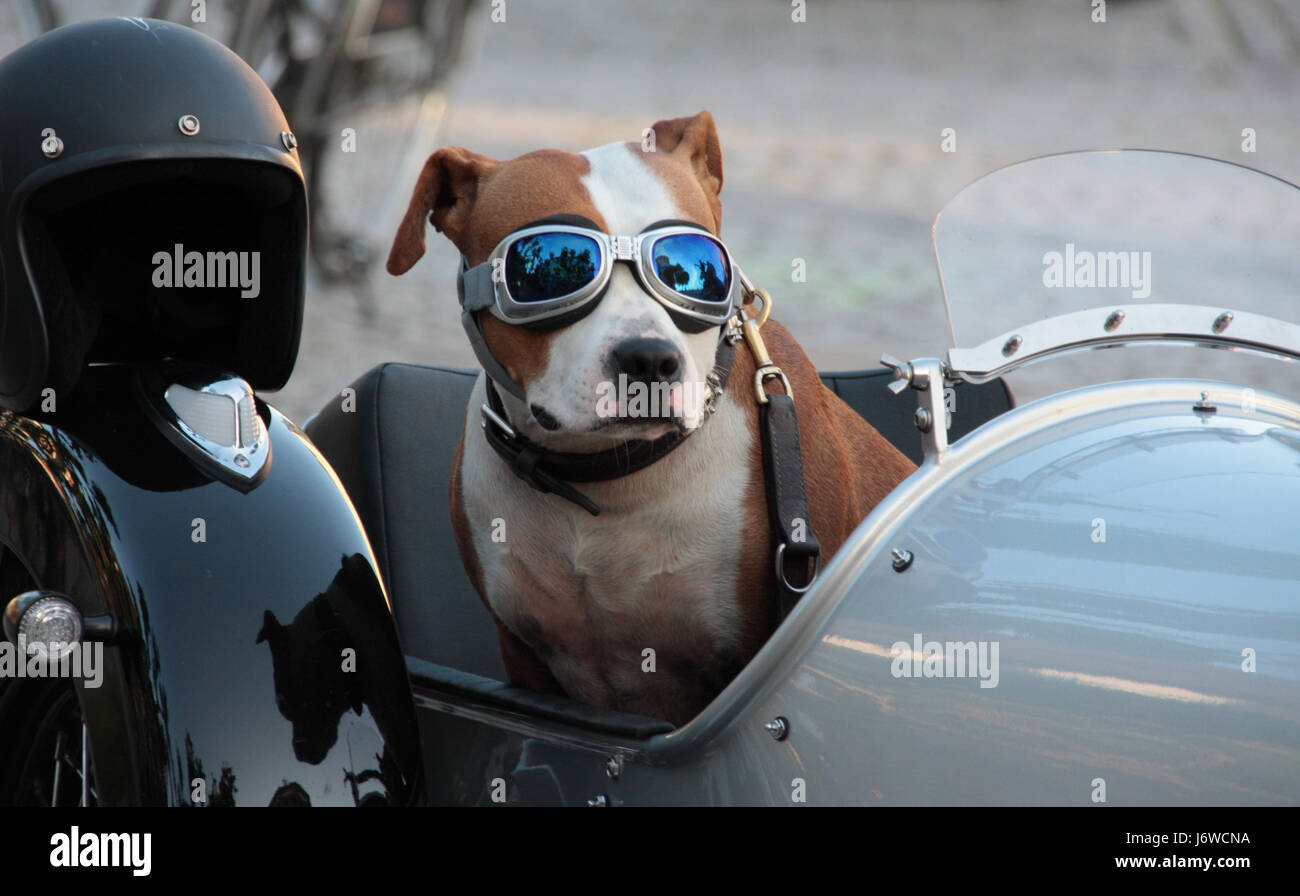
[(1110, 326)]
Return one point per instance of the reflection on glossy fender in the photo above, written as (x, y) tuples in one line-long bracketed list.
[(263, 666)]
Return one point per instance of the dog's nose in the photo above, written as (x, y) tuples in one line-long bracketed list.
[(647, 360)]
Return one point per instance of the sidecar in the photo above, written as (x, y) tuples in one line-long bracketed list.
[(1091, 597)]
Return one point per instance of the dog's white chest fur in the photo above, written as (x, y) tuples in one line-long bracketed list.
[(635, 608)]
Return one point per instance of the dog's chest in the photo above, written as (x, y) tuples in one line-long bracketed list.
[(637, 608)]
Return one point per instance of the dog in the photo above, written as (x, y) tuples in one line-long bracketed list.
[(656, 603)]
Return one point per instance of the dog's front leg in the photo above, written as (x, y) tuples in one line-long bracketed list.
[(524, 668)]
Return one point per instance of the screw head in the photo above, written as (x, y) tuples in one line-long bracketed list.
[(1222, 321), (779, 728), (923, 419), (1114, 320), (188, 124), (52, 147), (289, 141), (1012, 346), (902, 559)]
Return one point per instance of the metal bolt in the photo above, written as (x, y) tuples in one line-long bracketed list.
[(614, 767), (52, 147), (902, 373), (902, 558), (923, 419), (779, 728), (1114, 320), (189, 125), (1222, 321), (598, 802), (289, 140), (1012, 346)]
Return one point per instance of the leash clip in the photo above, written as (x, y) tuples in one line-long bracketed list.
[(766, 369), (763, 374)]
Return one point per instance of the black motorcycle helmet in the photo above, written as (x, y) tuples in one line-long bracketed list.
[(121, 140)]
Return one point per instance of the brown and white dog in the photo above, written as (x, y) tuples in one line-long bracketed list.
[(679, 561)]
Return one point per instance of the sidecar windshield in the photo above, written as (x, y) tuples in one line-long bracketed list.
[(1116, 229)]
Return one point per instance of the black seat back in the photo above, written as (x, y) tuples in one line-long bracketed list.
[(392, 444), (393, 450), (892, 415)]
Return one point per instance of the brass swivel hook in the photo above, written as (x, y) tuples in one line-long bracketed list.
[(765, 369)]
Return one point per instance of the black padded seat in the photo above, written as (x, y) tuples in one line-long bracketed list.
[(393, 453)]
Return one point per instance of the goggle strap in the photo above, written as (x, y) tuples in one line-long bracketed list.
[(491, 366), (475, 289), (678, 222)]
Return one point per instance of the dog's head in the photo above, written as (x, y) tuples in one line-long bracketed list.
[(311, 690), (566, 373)]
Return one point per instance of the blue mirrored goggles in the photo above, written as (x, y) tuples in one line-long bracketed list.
[(549, 275)]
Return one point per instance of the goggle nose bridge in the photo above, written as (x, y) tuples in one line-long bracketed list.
[(623, 248)]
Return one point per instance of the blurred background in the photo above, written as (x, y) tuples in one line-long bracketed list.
[(831, 115)]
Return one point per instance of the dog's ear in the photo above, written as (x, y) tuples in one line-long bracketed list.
[(271, 631), (444, 195), (697, 139)]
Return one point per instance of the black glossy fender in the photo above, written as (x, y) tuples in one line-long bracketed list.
[(242, 610)]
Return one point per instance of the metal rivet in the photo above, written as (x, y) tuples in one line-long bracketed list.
[(52, 147), (189, 125), (1222, 321), (779, 728), (902, 559), (1012, 346), (289, 140), (598, 802), (614, 767), (1114, 320), (241, 460)]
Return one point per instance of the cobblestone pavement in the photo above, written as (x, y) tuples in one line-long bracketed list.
[(830, 132)]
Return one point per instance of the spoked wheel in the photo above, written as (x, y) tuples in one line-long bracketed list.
[(54, 768)]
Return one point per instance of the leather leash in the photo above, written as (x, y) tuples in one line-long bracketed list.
[(798, 553)]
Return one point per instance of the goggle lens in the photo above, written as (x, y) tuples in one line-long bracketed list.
[(692, 265), (547, 266)]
